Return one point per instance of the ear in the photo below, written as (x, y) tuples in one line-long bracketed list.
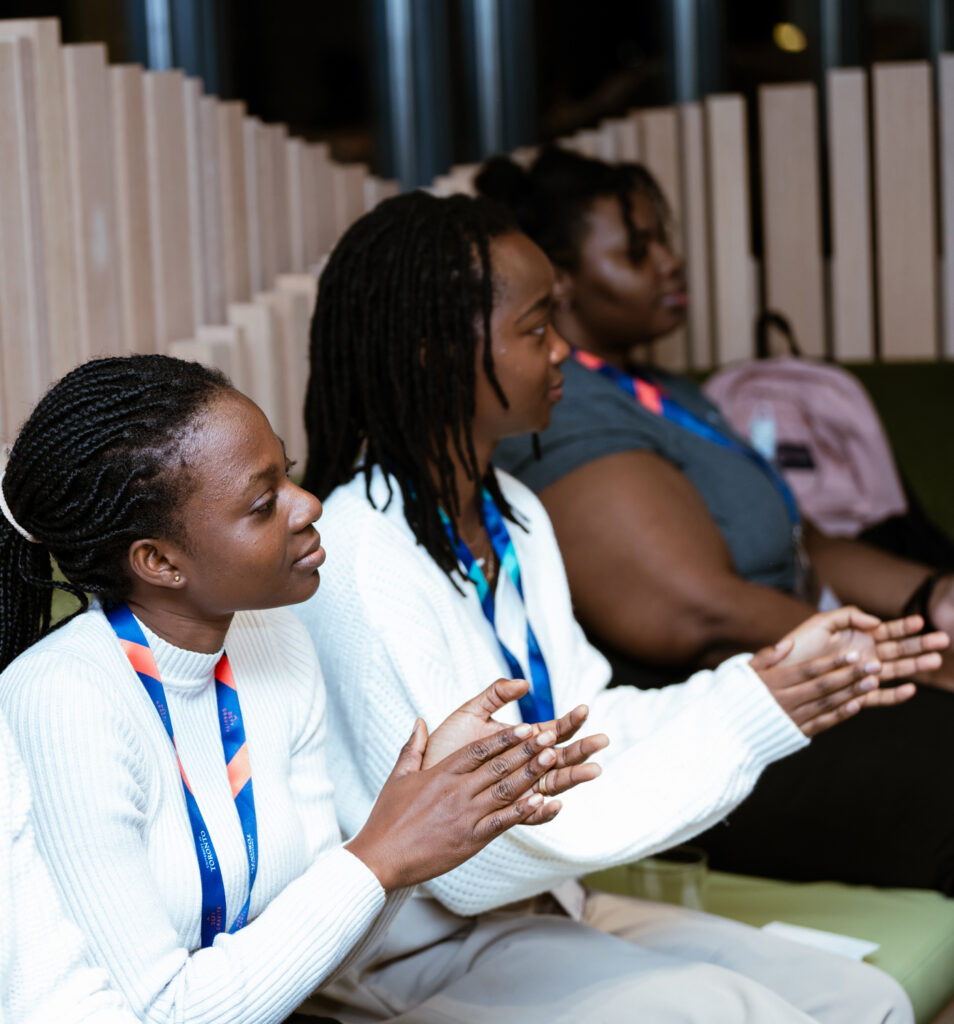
[(157, 563), (563, 289)]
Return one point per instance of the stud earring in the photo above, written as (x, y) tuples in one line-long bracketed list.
[(177, 577)]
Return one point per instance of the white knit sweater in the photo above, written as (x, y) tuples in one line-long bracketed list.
[(43, 974), (112, 821), (396, 639)]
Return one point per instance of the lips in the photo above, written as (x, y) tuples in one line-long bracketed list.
[(313, 557), (675, 300), (555, 391)]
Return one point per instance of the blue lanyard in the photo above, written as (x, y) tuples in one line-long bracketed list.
[(655, 399), (234, 747), (537, 704)]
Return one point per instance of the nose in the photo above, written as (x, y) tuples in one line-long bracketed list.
[(307, 509), (667, 261), (559, 347)]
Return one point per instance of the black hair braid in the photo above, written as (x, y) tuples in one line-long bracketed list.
[(96, 466), (404, 304), (550, 200)]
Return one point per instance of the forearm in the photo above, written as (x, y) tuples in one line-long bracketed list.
[(860, 574), (702, 622)]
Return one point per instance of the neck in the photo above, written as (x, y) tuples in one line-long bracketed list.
[(469, 490), (581, 337), (204, 634)]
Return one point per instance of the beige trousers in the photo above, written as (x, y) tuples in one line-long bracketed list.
[(629, 960)]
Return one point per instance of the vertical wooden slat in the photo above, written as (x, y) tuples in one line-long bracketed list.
[(133, 232), (322, 228), (791, 210), (234, 206), (60, 291), (263, 354), (93, 196), (292, 320), (729, 219), (946, 94), (210, 178), (660, 134), (191, 94), (628, 138), (298, 216), (349, 194), (279, 200), (606, 143), (695, 234), (905, 211), (223, 346), (163, 95), (24, 327), (849, 186), (376, 189), (254, 213)]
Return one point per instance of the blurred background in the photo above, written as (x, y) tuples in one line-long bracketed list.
[(413, 86)]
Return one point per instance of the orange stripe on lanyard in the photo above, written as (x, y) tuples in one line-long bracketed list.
[(140, 657), (648, 395), (239, 769)]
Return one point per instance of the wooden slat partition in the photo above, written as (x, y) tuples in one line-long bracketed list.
[(262, 354), (695, 233), (730, 261), (660, 134), (95, 242), (223, 346), (849, 187), (279, 207), (348, 185), (24, 338), (168, 176), (791, 210), (133, 230), (905, 218), (946, 95)]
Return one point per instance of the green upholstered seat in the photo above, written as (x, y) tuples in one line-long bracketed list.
[(914, 927)]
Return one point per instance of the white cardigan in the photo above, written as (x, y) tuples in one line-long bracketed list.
[(112, 823), (396, 639), (43, 974)]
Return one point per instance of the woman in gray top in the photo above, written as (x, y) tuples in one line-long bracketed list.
[(683, 546)]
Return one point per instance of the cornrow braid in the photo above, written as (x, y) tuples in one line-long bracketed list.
[(96, 466), (550, 199), (403, 305)]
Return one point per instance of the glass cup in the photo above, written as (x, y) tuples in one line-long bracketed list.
[(675, 876)]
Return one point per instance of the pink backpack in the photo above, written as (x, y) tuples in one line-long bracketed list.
[(819, 425)]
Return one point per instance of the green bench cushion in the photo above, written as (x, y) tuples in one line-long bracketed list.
[(914, 927)]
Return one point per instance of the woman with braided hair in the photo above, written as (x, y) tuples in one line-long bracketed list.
[(174, 730), (683, 546), (430, 343)]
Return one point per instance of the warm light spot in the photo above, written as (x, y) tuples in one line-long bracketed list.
[(789, 37)]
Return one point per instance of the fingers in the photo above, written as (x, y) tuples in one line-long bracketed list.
[(559, 780), (895, 629), (530, 811), (905, 668), (889, 697), (412, 753), (849, 617), (874, 699), (769, 656), (491, 700), (578, 752)]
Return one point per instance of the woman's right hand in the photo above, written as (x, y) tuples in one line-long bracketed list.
[(426, 822)]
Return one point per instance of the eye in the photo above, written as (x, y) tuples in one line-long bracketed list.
[(266, 508)]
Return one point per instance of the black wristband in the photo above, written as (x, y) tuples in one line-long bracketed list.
[(917, 603)]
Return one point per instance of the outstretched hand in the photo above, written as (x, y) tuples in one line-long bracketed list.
[(474, 721), (897, 646), (429, 819)]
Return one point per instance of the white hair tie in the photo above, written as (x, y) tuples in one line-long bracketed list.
[(8, 515)]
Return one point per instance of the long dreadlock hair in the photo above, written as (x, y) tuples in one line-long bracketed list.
[(96, 466), (404, 308), (550, 199)]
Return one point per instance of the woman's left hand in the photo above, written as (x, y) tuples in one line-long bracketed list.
[(898, 645)]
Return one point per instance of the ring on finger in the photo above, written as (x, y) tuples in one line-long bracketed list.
[(543, 784)]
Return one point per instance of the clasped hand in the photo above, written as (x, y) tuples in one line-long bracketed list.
[(451, 794), (831, 666)]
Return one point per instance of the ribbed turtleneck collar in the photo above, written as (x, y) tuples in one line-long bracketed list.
[(179, 668)]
